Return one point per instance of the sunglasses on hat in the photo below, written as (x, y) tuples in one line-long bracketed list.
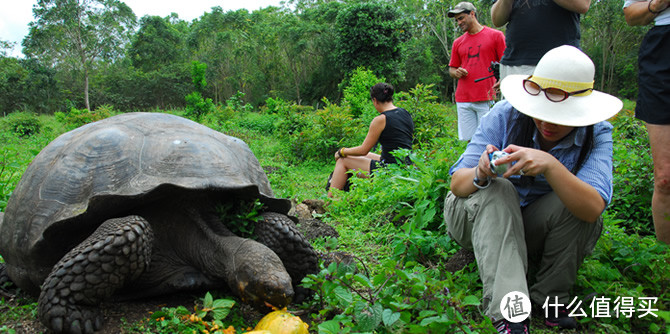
[(553, 94)]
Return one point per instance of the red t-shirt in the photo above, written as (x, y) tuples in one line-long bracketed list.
[(475, 54)]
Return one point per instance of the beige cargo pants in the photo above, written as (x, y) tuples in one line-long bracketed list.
[(506, 238)]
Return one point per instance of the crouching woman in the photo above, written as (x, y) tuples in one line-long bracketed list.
[(542, 215)]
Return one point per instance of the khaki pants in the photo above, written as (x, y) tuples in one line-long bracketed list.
[(506, 238)]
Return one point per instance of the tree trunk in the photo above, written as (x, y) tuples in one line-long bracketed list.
[(88, 104)]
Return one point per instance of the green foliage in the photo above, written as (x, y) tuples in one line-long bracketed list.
[(431, 119), (78, 117), (627, 265), (16, 311), (357, 93), (10, 173), (322, 132), (219, 118), (276, 106), (400, 297), (79, 34), (214, 309), (613, 46), (370, 34), (17, 152), (300, 52), (196, 104), (293, 118), (23, 124), (158, 43), (198, 71), (240, 217), (236, 102), (633, 171), (209, 318)]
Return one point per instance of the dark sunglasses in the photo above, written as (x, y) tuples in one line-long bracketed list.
[(552, 94)]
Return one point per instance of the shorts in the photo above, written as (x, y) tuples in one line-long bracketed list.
[(374, 164), (653, 100)]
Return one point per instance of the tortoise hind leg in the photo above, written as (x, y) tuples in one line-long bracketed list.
[(5, 281), (278, 232), (117, 252)]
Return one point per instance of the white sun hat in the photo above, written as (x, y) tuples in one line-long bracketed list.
[(571, 70)]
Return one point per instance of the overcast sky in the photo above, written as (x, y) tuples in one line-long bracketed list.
[(16, 14)]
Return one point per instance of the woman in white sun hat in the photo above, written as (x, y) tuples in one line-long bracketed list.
[(543, 214)]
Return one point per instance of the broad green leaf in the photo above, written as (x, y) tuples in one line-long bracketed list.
[(471, 300), (329, 327), (389, 317)]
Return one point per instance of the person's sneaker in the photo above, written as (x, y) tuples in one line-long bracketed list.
[(563, 320), (506, 327)]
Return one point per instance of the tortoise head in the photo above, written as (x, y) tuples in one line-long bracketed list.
[(260, 278)]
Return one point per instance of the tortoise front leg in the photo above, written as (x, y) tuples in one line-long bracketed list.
[(279, 233), (116, 253)]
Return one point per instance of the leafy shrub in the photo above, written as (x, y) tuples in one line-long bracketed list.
[(357, 93), (240, 217), (329, 128), (293, 118), (413, 196), (218, 117), (431, 119), (23, 124), (262, 123), (197, 106), (10, 173), (626, 265), (276, 106), (236, 102), (78, 117), (633, 171), (208, 318), (402, 297)]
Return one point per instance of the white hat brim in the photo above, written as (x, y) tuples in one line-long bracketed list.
[(574, 111)]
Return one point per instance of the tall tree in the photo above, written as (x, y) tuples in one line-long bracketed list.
[(370, 34), (158, 43), (5, 48), (78, 33)]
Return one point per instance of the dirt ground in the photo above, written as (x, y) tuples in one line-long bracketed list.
[(117, 315)]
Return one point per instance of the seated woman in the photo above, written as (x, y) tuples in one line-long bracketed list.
[(393, 129)]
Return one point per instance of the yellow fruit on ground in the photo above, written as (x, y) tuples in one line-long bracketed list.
[(281, 322)]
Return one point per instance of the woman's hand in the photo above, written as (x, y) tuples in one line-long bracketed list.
[(580, 198), (485, 163), (340, 154), (527, 161)]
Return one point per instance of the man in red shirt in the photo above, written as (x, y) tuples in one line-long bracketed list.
[(471, 57)]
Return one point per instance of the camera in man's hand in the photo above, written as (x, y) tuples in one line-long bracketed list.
[(493, 68)]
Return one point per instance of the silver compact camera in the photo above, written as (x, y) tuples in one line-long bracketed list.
[(495, 168)]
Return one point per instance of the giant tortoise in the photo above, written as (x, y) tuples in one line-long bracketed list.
[(127, 207)]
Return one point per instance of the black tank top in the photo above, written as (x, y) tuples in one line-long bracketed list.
[(398, 133)]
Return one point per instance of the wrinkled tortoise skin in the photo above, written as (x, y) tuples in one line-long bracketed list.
[(125, 208)]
